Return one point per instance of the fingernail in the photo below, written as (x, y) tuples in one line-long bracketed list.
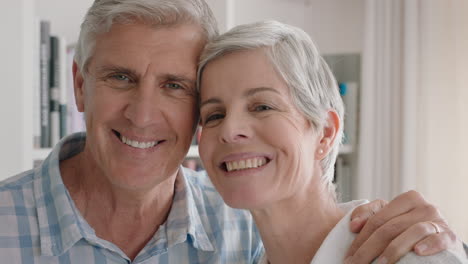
[(355, 224), (421, 248), (382, 260)]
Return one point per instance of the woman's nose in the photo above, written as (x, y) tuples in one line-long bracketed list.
[(235, 128)]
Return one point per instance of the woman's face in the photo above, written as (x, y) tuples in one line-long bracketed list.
[(256, 146)]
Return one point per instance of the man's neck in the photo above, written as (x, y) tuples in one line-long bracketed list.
[(127, 218)]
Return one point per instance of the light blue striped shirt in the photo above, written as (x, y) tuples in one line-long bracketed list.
[(39, 222)]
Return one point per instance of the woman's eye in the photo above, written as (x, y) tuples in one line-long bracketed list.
[(260, 108), (173, 86), (213, 117)]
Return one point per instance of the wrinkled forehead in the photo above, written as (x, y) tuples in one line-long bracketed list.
[(169, 21), (192, 35)]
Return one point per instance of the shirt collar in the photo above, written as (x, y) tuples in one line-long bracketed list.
[(58, 226), (183, 220), (61, 224)]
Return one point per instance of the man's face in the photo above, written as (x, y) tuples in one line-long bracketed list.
[(138, 96)]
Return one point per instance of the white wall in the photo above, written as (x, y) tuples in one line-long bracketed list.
[(11, 84), (15, 69), (65, 16), (220, 10), (443, 152), (335, 25), (290, 12)]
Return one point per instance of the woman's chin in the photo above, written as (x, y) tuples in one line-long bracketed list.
[(244, 201)]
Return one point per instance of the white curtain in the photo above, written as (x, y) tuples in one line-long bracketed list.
[(414, 104)]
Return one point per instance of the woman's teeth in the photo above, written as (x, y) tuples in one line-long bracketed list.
[(245, 164)]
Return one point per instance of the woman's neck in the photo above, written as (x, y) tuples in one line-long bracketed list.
[(292, 230)]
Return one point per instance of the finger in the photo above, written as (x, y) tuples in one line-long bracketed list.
[(363, 212), (405, 242), (379, 239), (399, 206), (446, 239), (433, 244)]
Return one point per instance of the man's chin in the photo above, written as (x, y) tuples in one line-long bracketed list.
[(139, 183), (134, 178)]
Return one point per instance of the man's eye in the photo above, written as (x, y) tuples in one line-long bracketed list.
[(119, 81), (173, 86), (120, 77)]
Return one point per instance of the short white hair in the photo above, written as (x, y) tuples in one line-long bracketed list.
[(292, 52), (104, 13)]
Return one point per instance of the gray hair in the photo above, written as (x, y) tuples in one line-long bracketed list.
[(104, 13), (292, 52)]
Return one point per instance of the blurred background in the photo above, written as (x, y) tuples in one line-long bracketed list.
[(402, 66)]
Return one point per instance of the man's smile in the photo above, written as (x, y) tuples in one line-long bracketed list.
[(140, 144)]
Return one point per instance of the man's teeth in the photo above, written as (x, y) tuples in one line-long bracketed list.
[(245, 164), (136, 144)]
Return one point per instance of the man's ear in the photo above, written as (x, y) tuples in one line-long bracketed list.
[(78, 87), (328, 135)]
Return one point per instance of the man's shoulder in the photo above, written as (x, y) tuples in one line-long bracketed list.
[(445, 257), (16, 202), (17, 182)]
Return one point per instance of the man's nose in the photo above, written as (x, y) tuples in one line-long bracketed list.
[(143, 108)]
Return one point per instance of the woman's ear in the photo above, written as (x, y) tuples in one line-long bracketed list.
[(328, 135)]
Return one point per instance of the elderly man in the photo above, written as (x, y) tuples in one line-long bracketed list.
[(118, 194)]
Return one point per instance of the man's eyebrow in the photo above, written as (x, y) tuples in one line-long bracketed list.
[(167, 76), (119, 69)]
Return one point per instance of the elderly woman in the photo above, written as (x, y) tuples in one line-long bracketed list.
[(272, 122)]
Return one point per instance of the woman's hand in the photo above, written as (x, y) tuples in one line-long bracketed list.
[(391, 230)]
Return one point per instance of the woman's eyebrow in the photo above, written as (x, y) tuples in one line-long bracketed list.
[(248, 93), (210, 101), (253, 91)]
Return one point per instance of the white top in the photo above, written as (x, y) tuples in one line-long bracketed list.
[(337, 242)]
